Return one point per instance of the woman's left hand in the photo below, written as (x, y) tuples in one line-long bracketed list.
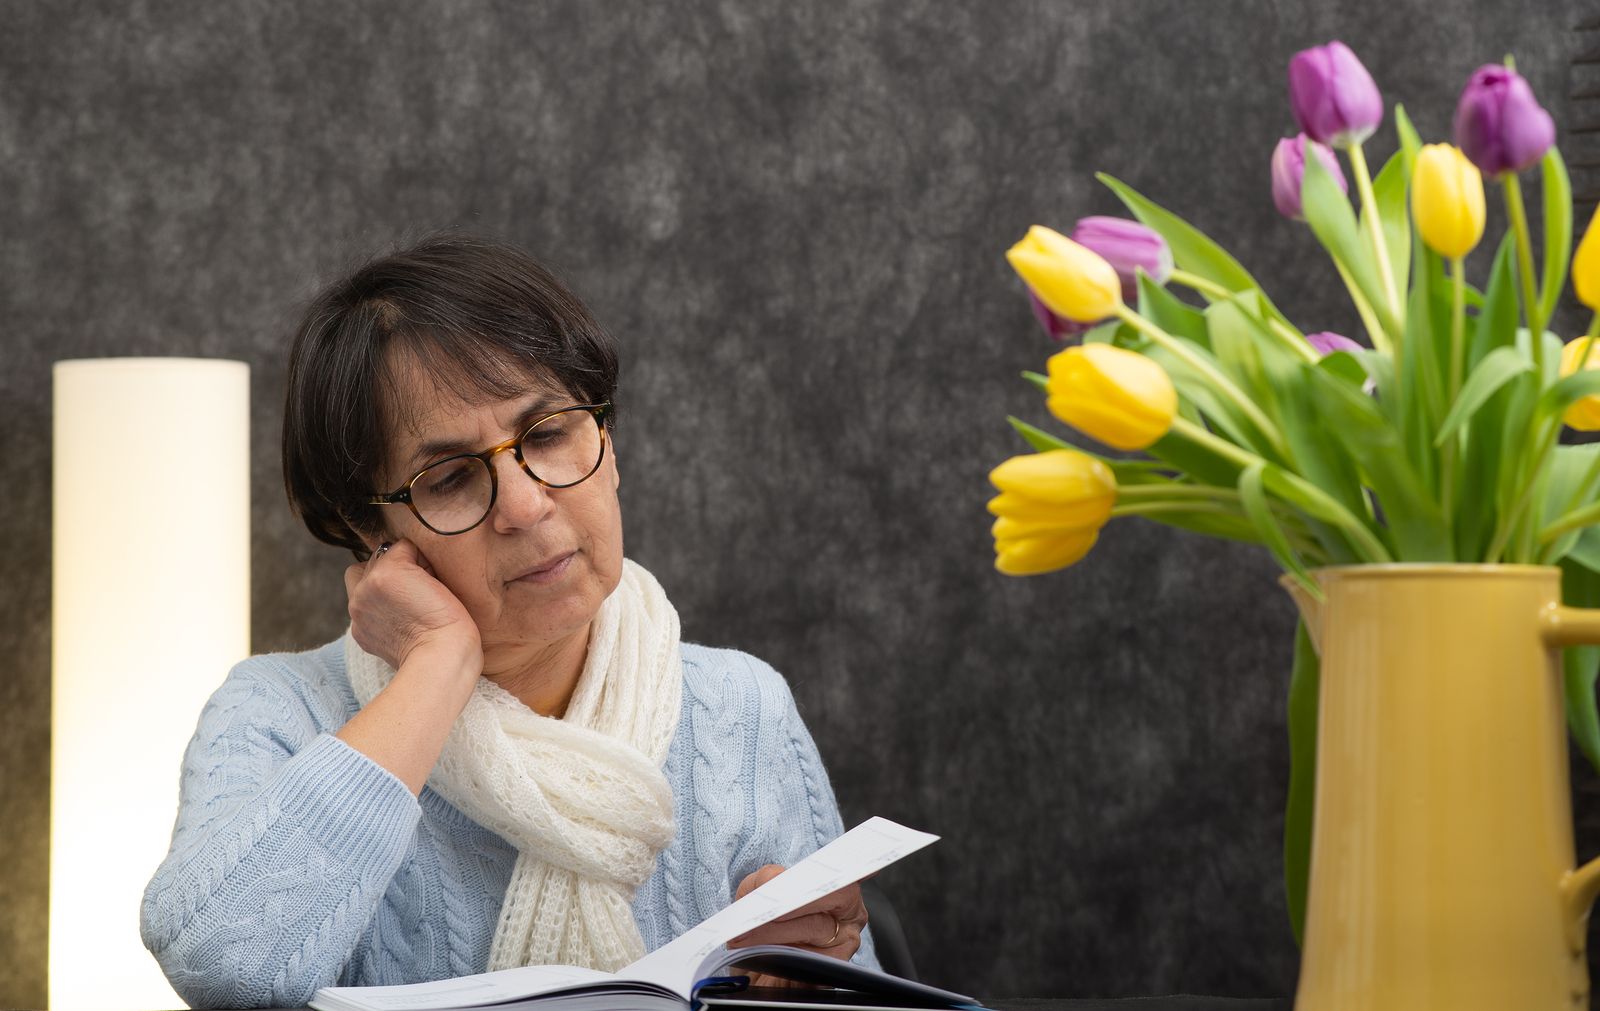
[(830, 926)]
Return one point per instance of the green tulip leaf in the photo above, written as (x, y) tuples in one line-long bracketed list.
[(1496, 324), (1170, 313), (1566, 487), (1210, 523), (1345, 366), (1586, 549), (1038, 438), (1516, 438), (1570, 467), (1557, 231), (1380, 369), (1104, 333), (1565, 393), (1410, 141), (1132, 471), (1580, 587), (1194, 460), (1192, 249), (1332, 220), (1253, 496), (1240, 344), (1317, 458), (1304, 684), (1389, 191), (1411, 513), (1039, 380), (1424, 364), (1196, 389), (1114, 332), (1499, 367)]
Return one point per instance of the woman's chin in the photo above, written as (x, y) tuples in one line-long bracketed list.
[(535, 618)]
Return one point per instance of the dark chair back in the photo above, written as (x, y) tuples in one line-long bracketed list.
[(887, 935)]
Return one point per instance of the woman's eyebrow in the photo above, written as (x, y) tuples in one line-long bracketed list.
[(435, 449)]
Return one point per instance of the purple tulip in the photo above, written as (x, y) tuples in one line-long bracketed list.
[(1500, 126), (1327, 342), (1060, 328), (1332, 95), (1289, 172), (1127, 246)]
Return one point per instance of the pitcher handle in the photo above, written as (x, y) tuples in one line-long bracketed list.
[(1571, 626), (1575, 626)]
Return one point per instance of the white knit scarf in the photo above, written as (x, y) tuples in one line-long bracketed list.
[(582, 798)]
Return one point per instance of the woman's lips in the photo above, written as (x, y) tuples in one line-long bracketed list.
[(549, 572)]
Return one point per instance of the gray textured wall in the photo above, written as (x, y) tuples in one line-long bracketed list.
[(792, 214)]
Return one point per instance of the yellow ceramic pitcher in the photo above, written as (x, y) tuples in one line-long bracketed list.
[(1442, 865)]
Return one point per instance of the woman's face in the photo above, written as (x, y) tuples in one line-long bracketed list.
[(536, 570)]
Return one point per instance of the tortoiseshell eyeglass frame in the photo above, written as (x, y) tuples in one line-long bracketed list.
[(402, 494)]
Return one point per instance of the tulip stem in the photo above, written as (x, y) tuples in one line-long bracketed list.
[(1204, 286), (1181, 495), (1458, 324), (1313, 499), (1369, 319), (1530, 303), (1369, 210), (1224, 385), (1155, 509), (1216, 293), (1587, 516), (1503, 532), (1146, 508), (1174, 489)]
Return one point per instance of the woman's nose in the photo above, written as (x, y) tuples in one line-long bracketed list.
[(521, 501)]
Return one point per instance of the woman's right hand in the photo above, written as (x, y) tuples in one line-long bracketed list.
[(397, 605), (401, 613)]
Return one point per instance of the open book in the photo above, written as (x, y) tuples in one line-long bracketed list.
[(696, 966)]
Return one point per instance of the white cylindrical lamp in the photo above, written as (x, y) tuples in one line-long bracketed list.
[(151, 606)]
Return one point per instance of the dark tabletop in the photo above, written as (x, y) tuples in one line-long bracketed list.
[(1178, 1002)]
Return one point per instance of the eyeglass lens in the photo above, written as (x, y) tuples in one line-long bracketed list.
[(455, 494)]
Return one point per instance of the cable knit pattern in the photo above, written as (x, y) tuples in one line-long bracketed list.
[(297, 862)]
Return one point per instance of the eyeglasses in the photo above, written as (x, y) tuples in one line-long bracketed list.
[(455, 494)]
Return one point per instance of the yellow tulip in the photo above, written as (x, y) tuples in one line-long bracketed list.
[(1072, 280), (1447, 200), (1120, 397), (1586, 265), (1033, 556), (1050, 509), (1584, 415)]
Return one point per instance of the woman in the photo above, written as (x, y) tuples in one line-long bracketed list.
[(510, 758)]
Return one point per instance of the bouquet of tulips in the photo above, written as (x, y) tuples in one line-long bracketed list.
[(1435, 440)]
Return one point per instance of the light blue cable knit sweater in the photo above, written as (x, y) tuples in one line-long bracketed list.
[(297, 862)]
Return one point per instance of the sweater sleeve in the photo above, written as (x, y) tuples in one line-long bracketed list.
[(285, 841), (808, 815)]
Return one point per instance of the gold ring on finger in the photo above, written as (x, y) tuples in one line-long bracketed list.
[(833, 941)]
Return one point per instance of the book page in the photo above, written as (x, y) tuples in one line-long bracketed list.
[(460, 992), (869, 847)]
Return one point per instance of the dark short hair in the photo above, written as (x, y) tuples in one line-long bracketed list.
[(480, 317)]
